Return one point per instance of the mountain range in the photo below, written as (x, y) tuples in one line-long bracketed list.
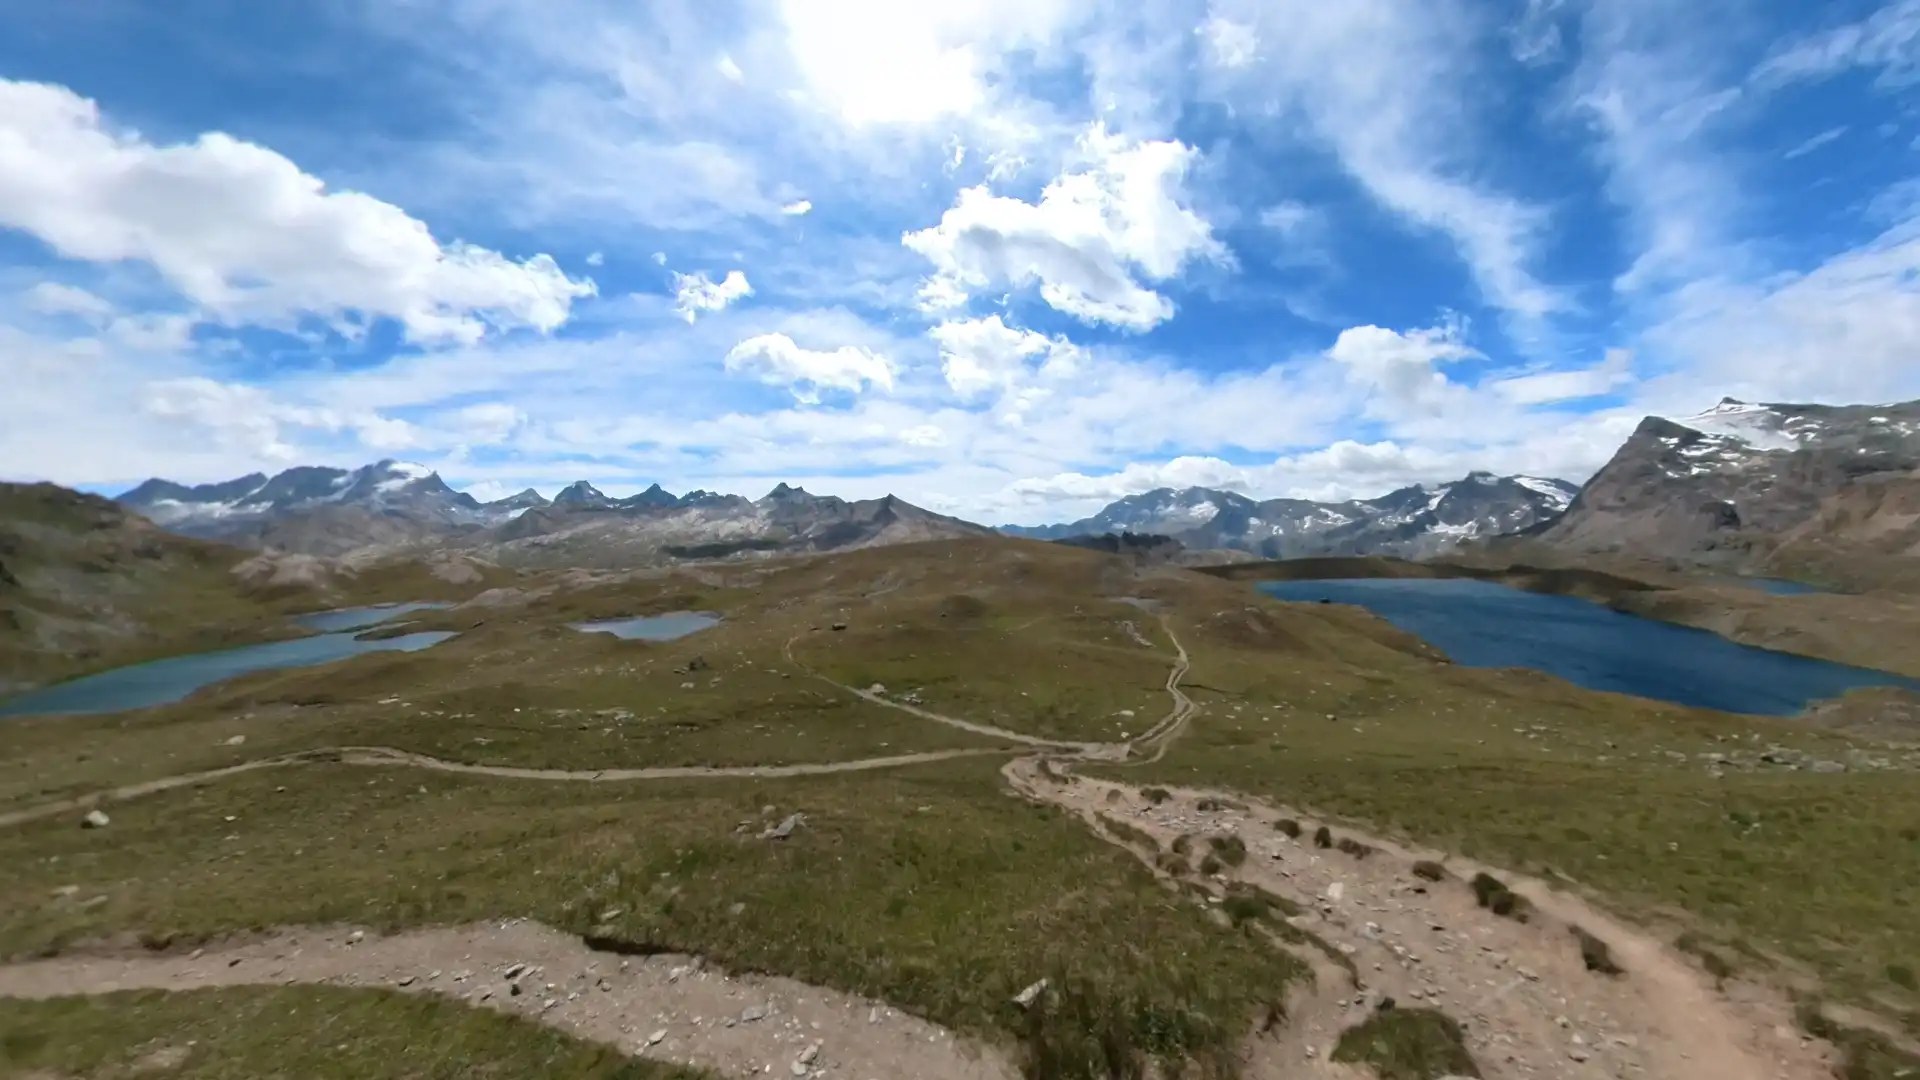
[(1741, 486), (1412, 521), (398, 505)]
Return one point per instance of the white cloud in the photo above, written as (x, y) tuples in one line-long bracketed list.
[(1380, 81), (1547, 387), (246, 236), (660, 258), (1083, 243), (55, 298), (730, 70), (695, 293), (242, 418), (1888, 39), (923, 435), (775, 359), (1815, 142), (1400, 368), (796, 208), (490, 422), (595, 258), (1231, 44), (986, 356)]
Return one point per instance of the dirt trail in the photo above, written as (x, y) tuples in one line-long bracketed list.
[(1530, 1006), (391, 756), (698, 1013)]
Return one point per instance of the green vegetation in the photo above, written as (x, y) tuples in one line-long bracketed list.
[(1230, 849), (322, 1033), (1129, 834), (1496, 764), (1428, 870), (1323, 837), (1865, 1055), (1354, 847), (1288, 826), (1493, 894), (916, 885), (1407, 1044)]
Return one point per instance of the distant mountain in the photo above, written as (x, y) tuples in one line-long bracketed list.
[(1747, 485), (392, 504), (1415, 520)]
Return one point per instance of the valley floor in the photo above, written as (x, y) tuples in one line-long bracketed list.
[(1067, 840)]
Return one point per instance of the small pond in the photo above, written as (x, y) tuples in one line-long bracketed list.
[(1780, 586), (358, 618), (674, 624), (1481, 624), (161, 682)]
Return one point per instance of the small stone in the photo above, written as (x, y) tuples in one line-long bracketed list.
[(797, 1069), (405, 980), (785, 828), (95, 819), (753, 1012), (810, 1054), (1031, 994), (236, 740), (654, 1039), (356, 937), (678, 973), (1336, 890), (1578, 1053), (513, 971)]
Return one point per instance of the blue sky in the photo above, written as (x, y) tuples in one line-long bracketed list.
[(1009, 261)]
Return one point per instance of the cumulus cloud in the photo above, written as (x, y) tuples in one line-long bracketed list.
[(984, 356), (1094, 229), (696, 293), (776, 359), (489, 423), (796, 208), (246, 236), (1399, 368)]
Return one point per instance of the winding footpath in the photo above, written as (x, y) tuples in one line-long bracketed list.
[(1530, 1008)]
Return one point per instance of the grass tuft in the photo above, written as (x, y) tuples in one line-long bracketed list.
[(1493, 894), (1288, 826), (1595, 954), (1230, 849), (1429, 870), (1323, 837), (1407, 1044)]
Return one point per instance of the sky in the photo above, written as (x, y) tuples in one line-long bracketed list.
[(1009, 259)]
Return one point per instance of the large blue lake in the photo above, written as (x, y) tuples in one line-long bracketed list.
[(162, 682), (1481, 624)]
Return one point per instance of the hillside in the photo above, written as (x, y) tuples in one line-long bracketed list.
[(84, 583), (1832, 491)]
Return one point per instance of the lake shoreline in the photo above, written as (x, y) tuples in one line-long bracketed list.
[(1876, 631)]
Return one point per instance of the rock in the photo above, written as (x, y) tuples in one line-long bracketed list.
[(877, 688), (1829, 767), (654, 1039), (808, 1056), (838, 626), (95, 819), (356, 937), (797, 1069), (785, 828), (404, 980), (513, 971), (237, 740), (1578, 1053), (753, 1012), (1336, 890), (1031, 994), (513, 990)]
